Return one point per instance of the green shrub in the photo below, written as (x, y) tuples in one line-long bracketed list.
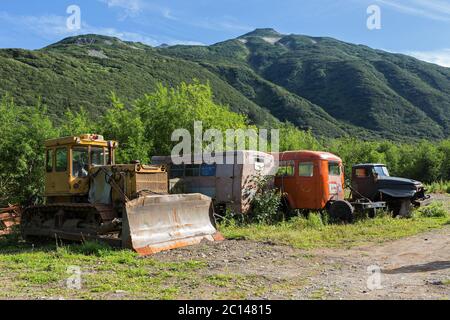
[(439, 187), (434, 210), (314, 221), (266, 203)]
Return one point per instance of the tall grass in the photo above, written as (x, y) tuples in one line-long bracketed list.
[(439, 187)]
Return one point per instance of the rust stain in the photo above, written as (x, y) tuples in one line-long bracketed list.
[(150, 250), (146, 251), (176, 219), (218, 237), (9, 217)]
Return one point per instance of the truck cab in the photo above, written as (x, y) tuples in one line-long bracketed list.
[(68, 162), (310, 180), (373, 182)]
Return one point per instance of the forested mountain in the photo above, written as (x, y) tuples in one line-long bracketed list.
[(329, 86)]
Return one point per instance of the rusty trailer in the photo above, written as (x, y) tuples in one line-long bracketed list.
[(230, 183)]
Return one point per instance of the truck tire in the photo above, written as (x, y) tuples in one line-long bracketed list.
[(342, 211), (286, 208)]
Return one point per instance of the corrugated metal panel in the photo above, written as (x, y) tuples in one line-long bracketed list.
[(155, 182)]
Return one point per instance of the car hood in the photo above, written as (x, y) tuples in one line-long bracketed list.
[(398, 187), (394, 181)]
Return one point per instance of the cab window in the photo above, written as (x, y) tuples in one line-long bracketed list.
[(286, 169), (381, 171), (80, 163), (334, 169), (61, 160), (361, 173), (208, 170), (306, 169), (192, 170), (97, 156), (49, 160), (176, 171)]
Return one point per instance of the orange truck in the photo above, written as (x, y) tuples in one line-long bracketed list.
[(311, 180)]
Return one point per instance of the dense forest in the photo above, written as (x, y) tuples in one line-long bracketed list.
[(144, 129), (333, 88)]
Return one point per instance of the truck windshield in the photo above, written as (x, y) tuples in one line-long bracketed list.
[(334, 169), (381, 171)]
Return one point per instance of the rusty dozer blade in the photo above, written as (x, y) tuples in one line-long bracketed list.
[(163, 222)]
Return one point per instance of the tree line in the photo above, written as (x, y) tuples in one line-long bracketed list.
[(144, 129)]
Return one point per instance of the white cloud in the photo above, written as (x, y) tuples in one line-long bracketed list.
[(51, 26), (133, 8), (46, 25), (434, 5), (226, 23), (130, 8), (431, 9), (440, 57), (131, 5), (167, 13)]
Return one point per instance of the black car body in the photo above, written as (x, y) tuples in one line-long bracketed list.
[(373, 182)]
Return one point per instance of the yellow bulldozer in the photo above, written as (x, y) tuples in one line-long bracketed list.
[(89, 197)]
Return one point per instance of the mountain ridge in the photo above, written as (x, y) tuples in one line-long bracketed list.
[(332, 87)]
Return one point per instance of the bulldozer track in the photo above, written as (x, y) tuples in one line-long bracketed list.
[(75, 222)]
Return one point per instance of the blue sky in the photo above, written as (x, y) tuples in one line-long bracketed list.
[(417, 27)]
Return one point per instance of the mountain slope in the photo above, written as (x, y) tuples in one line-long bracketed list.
[(83, 71), (329, 86), (390, 94)]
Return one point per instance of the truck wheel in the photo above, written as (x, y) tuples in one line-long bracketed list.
[(372, 213), (342, 211)]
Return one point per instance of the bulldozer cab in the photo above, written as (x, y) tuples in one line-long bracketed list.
[(89, 197), (68, 162)]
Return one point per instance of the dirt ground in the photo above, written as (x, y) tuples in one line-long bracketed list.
[(417, 267), (412, 268)]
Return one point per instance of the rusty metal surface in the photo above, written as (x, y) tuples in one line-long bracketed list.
[(157, 182), (164, 222), (106, 212), (9, 217), (231, 183), (71, 221)]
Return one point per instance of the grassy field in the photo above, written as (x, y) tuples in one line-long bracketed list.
[(310, 233), (43, 272), (33, 272), (315, 232)]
